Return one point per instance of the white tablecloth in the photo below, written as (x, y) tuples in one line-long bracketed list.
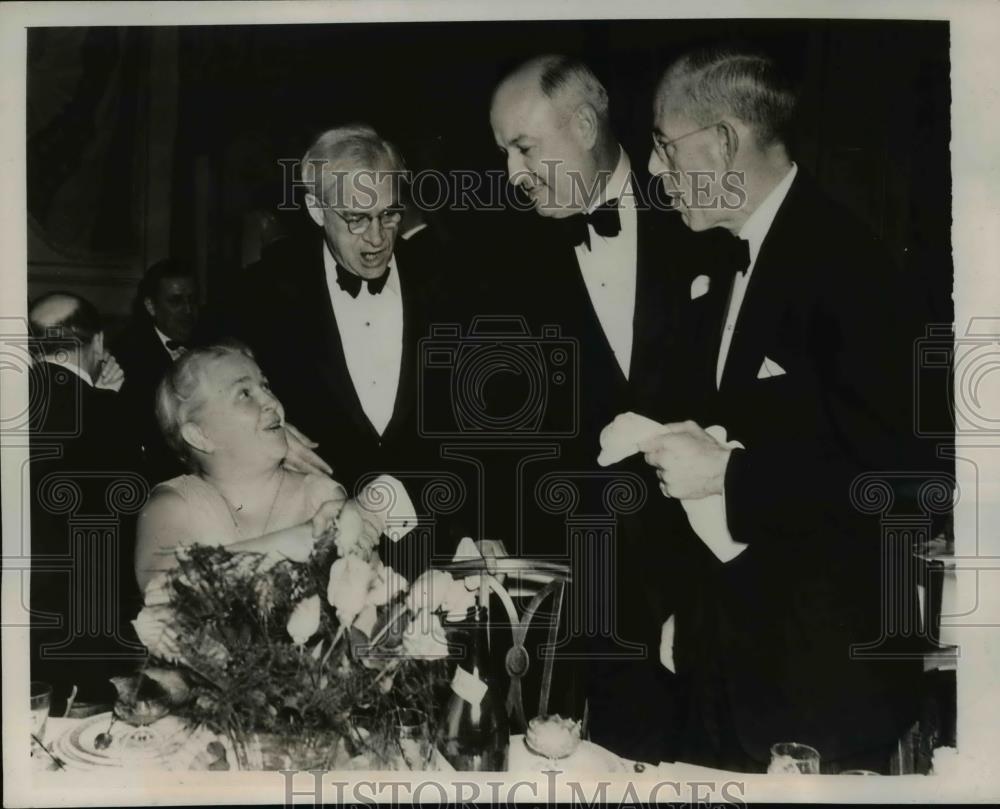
[(588, 759)]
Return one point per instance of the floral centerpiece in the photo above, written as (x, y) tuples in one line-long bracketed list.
[(324, 659)]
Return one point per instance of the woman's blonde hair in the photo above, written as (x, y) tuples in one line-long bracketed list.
[(177, 397)]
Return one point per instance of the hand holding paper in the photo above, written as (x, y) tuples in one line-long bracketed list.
[(679, 444), (387, 504), (689, 462)]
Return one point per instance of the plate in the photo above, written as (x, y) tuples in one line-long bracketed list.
[(156, 746)]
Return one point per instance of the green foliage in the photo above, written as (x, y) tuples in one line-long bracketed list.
[(247, 676)]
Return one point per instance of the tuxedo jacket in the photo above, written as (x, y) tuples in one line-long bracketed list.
[(286, 315), (538, 278), (784, 625), (145, 360), (85, 491)]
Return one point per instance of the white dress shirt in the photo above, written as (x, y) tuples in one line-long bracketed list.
[(753, 231), (608, 266), (371, 331), (175, 353)]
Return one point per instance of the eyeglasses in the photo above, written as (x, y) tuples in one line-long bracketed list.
[(660, 147), (358, 223)]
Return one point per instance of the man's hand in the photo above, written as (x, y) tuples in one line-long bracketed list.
[(111, 375), (689, 462), (300, 457)]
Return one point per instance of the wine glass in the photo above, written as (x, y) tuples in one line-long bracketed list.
[(41, 701), (415, 739), (793, 758)]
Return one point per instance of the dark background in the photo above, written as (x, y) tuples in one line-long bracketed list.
[(201, 116)]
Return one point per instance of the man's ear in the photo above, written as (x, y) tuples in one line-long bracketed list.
[(728, 141), (315, 208), (586, 125), (150, 309), (195, 437)]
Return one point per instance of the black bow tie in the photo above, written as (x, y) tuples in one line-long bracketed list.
[(351, 283), (737, 257), (176, 345), (604, 220)]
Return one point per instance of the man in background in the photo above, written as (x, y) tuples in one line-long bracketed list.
[(164, 322), (83, 591)]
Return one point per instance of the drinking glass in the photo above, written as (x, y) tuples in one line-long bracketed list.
[(41, 700), (859, 772), (792, 758), (415, 740)]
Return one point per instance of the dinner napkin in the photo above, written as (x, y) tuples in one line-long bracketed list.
[(707, 515), (386, 500)]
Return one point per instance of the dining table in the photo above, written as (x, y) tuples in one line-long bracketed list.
[(72, 744)]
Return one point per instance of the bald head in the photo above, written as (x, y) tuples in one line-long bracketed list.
[(66, 324), (550, 119), (566, 82)]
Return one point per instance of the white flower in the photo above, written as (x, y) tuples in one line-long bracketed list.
[(157, 591), (366, 620), (304, 620), (437, 591), (429, 591), (348, 588), (385, 585), (355, 533), (388, 506), (458, 600), (154, 626), (349, 527), (424, 637)]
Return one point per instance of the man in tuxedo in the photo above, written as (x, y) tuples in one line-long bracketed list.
[(164, 321), (81, 543), (604, 262), (335, 320), (806, 361)]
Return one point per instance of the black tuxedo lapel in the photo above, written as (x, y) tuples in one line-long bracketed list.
[(656, 300), (772, 281), (412, 298), (332, 364)]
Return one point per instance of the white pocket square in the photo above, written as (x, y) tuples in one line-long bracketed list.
[(769, 368), (699, 286)]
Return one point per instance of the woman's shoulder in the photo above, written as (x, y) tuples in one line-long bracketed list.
[(183, 486), (316, 488)]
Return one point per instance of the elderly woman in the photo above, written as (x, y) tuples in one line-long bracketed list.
[(217, 412)]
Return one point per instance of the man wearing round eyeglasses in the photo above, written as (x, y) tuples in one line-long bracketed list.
[(337, 315), (789, 629)]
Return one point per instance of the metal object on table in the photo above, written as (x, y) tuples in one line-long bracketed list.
[(550, 579)]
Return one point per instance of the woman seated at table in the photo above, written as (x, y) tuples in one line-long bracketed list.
[(217, 412)]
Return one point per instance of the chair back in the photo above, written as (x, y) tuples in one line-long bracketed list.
[(540, 587)]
